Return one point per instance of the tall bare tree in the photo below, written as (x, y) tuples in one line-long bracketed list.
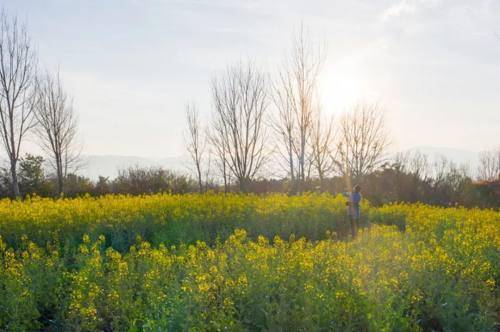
[(17, 90), (489, 165), (195, 141), (295, 97), (57, 127), (362, 141), (239, 136)]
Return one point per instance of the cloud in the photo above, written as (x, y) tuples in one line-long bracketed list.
[(407, 7), (403, 7)]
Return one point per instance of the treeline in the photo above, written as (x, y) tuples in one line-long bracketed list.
[(268, 133), (408, 178), (265, 126), (413, 178), (35, 180)]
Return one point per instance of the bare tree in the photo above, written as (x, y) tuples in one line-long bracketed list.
[(238, 135), (295, 97), (362, 141), (57, 127), (415, 163), (195, 142), (285, 127), (17, 90), (448, 177), (489, 165), (322, 152)]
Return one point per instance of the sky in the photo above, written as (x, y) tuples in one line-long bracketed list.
[(131, 66)]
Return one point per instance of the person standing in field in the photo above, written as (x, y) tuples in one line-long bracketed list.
[(354, 208)]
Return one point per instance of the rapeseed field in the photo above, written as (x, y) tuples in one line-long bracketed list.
[(245, 263)]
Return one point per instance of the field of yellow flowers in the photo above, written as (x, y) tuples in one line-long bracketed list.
[(244, 262)]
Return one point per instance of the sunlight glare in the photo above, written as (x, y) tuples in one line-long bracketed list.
[(341, 87)]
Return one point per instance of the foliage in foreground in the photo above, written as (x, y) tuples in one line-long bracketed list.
[(441, 273)]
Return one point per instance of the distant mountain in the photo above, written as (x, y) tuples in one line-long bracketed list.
[(109, 165)]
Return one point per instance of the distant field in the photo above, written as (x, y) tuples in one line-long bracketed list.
[(244, 262)]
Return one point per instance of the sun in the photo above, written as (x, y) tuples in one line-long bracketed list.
[(340, 87)]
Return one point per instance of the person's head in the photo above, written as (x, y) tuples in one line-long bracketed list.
[(357, 188)]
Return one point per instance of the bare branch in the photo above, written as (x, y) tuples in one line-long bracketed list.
[(238, 134), (57, 127), (362, 141), (295, 98), (17, 90), (489, 166), (195, 142), (322, 144)]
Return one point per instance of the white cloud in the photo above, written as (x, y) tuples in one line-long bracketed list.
[(407, 7), (403, 7)]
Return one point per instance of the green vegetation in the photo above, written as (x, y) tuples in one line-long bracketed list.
[(199, 262)]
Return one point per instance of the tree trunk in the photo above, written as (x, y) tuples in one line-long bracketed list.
[(224, 174), (321, 181), (60, 175), (15, 184), (243, 184), (292, 171), (60, 182), (200, 181)]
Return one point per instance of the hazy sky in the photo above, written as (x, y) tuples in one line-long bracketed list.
[(132, 65)]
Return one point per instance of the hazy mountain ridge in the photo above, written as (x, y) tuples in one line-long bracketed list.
[(458, 156), (109, 165)]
